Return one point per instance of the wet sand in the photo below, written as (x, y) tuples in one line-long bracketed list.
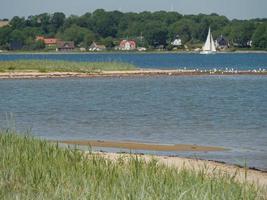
[(142, 146), (139, 72)]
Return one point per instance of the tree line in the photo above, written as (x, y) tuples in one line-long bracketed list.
[(148, 29)]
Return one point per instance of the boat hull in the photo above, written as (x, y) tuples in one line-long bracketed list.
[(207, 52)]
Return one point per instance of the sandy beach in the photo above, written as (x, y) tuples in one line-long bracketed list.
[(130, 73), (239, 173)]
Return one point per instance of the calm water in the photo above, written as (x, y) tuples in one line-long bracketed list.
[(228, 111), (163, 61)]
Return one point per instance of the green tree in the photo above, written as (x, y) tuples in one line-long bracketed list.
[(104, 24), (58, 19), (156, 34), (17, 22), (77, 34), (185, 28), (259, 38), (155, 28), (5, 35), (17, 36), (241, 32), (108, 42)]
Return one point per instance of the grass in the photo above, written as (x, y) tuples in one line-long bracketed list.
[(62, 66), (36, 169)]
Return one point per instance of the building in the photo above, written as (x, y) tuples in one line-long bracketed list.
[(96, 47), (249, 43), (177, 42), (50, 43), (222, 43), (127, 45), (65, 46)]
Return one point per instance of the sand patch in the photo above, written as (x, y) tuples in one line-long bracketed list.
[(142, 146)]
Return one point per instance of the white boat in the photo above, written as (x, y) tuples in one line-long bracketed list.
[(209, 46)]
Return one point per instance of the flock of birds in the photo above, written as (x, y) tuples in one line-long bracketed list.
[(226, 70)]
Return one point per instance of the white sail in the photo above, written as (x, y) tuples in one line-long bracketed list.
[(209, 46), (213, 48)]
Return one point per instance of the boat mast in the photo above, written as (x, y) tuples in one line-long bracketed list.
[(210, 39)]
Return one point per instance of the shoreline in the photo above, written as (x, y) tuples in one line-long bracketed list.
[(239, 173), (133, 52), (128, 73)]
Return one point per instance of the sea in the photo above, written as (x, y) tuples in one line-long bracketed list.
[(226, 111)]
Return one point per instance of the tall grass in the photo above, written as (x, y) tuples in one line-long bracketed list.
[(36, 169), (62, 66)]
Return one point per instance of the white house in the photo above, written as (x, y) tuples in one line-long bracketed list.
[(96, 47), (177, 42)]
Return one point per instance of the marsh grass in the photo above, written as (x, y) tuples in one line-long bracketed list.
[(36, 169), (62, 66)]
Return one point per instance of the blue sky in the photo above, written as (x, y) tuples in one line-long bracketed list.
[(240, 9)]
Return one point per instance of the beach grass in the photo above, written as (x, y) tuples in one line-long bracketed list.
[(36, 169), (62, 66)]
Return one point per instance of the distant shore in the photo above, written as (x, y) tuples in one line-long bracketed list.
[(129, 52), (126, 73)]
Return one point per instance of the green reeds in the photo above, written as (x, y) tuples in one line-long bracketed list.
[(36, 169), (62, 66)]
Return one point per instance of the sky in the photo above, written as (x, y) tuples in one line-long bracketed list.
[(233, 9)]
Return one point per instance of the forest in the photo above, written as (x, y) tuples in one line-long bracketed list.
[(148, 29)]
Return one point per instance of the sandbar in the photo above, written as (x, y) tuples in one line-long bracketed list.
[(128, 73), (142, 146)]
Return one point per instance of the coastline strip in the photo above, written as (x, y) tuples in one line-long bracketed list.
[(126, 73), (141, 146), (241, 174)]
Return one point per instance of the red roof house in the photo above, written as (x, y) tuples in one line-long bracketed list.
[(50, 41), (127, 45)]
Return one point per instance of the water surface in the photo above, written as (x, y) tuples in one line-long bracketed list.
[(227, 111), (238, 61)]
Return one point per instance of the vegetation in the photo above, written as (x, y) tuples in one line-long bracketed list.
[(149, 29), (62, 66), (36, 169)]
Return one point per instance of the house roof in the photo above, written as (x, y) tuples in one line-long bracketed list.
[(221, 39), (50, 41), (123, 42), (94, 45), (65, 45)]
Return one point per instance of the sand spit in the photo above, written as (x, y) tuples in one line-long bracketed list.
[(131, 73), (142, 146)]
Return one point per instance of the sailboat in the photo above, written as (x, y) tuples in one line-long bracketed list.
[(209, 46)]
